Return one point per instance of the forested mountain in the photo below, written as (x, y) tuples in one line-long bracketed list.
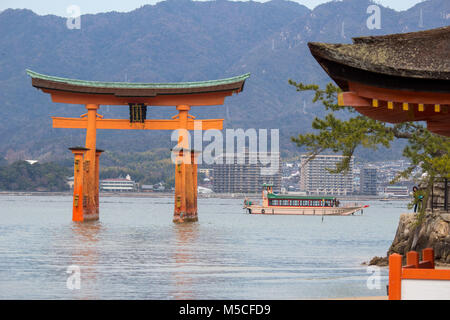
[(181, 40), (23, 176)]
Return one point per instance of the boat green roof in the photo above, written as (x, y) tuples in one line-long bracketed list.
[(297, 197)]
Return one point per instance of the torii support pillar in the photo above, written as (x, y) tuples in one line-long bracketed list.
[(185, 186), (90, 166), (78, 183), (98, 152)]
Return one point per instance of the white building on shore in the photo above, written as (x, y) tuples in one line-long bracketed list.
[(316, 179)]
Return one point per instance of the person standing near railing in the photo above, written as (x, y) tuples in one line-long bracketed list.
[(417, 199)]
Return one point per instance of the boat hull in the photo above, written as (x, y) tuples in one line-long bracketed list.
[(306, 211)]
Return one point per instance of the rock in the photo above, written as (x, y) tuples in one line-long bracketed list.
[(441, 229), (400, 247), (433, 232), (379, 261)]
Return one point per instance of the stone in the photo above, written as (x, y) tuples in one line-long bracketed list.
[(432, 233), (400, 247), (441, 229), (379, 261)]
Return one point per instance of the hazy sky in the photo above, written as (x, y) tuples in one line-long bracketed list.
[(90, 6)]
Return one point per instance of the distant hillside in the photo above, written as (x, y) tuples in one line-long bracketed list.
[(22, 176), (181, 40)]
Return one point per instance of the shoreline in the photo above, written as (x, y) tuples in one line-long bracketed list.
[(171, 194)]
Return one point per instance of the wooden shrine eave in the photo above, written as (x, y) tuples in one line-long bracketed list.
[(394, 78), (75, 91), (396, 106), (411, 61)]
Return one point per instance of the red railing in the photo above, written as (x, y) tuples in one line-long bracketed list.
[(417, 270)]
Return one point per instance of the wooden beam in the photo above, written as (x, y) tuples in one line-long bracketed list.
[(203, 99), (439, 127), (124, 124), (351, 99), (399, 95)]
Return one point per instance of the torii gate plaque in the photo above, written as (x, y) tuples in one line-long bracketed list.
[(137, 96)]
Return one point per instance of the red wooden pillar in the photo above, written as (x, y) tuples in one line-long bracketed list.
[(78, 183), (395, 274), (98, 152), (412, 259), (90, 170), (185, 186), (188, 188), (194, 164), (180, 198), (428, 255)]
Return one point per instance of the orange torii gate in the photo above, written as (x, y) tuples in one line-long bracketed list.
[(137, 96)]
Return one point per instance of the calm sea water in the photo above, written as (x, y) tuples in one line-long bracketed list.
[(136, 252)]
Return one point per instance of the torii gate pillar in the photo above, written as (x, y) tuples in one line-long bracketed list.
[(78, 183), (91, 168), (185, 186), (97, 178)]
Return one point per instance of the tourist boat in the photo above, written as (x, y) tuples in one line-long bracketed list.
[(286, 204)]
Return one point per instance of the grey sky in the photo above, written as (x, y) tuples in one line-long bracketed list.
[(59, 7)]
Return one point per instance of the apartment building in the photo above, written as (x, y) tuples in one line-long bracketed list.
[(232, 174), (368, 181), (316, 179)]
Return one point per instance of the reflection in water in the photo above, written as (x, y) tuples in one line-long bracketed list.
[(136, 252), (185, 242), (84, 253)]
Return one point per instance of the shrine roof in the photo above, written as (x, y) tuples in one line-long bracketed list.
[(125, 89), (418, 56)]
